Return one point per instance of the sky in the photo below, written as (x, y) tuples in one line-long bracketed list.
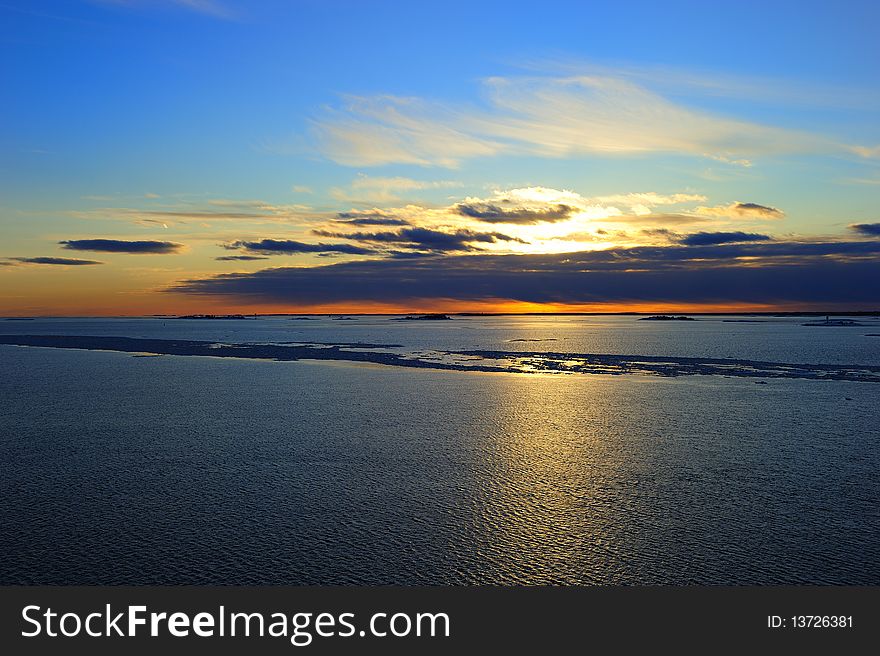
[(223, 156)]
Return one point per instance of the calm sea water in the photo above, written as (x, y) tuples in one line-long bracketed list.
[(124, 469)]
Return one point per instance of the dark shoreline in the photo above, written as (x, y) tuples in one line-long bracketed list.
[(519, 362)]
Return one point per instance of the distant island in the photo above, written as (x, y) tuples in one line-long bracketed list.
[(424, 317), (833, 322), (666, 317), (215, 316)]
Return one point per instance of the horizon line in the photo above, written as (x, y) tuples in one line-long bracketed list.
[(769, 313)]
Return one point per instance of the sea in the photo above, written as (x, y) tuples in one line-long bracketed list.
[(480, 450)]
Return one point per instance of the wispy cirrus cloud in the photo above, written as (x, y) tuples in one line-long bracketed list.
[(608, 112), (562, 117), (369, 189), (765, 90), (254, 211), (390, 129), (659, 219)]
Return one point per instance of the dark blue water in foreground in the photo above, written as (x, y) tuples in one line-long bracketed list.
[(124, 469)]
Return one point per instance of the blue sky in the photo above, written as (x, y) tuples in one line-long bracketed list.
[(206, 123)]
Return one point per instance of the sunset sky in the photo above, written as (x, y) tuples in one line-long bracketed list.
[(182, 156)]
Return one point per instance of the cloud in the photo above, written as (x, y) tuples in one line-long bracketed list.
[(404, 255), (241, 258), (659, 232), (648, 199), (742, 210), (710, 238), (869, 229), (548, 208), (369, 217), (367, 189), (387, 129), (745, 163), (757, 253), (548, 219), (661, 219), (866, 151), (243, 203), (535, 205), (778, 272), (58, 261), (121, 246), (599, 113), (670, 80), (217, 209), (289, 247), (490, 213), (423, 238), (595, 236), (594, 114), (152, 222)]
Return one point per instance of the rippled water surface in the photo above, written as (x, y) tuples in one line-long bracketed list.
[(175, 469)]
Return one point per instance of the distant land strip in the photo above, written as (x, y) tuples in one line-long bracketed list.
[(475, 360)]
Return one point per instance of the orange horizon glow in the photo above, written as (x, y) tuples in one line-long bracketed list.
[(175, 307)]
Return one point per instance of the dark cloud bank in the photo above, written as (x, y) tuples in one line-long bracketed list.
[(369, 218), (289, 246), (758, 209), (711, 238), (868, 229), (424, 238), (781, 272), (57, 261), (122, 246)]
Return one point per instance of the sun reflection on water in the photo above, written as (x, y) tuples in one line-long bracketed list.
[(557, 467)]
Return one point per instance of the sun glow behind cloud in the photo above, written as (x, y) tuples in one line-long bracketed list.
[(546, 220)]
